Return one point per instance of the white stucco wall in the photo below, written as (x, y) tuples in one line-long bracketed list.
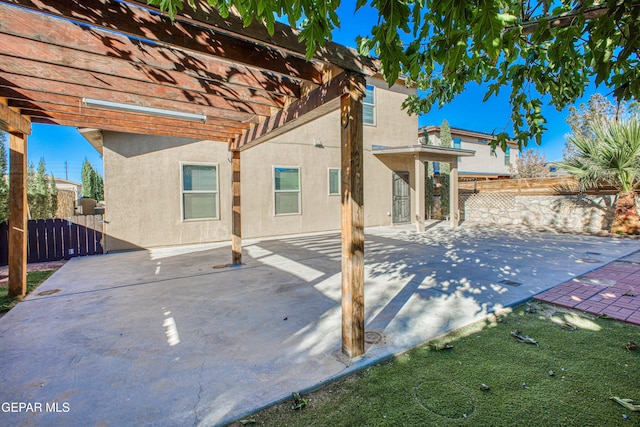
[(484, 162)]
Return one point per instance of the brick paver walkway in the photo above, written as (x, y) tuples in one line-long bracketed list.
[(612, 290)]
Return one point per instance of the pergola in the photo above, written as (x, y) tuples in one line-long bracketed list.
[(251, 86)]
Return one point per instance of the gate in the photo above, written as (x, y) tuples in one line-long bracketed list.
[(56, 239)]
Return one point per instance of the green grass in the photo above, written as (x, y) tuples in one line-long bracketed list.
[(567, 380), (34, 279)]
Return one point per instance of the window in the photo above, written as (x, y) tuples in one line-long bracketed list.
[(287, 190), (334, 182), (200, 192), (369, 106), (507, 156), (457, 143)]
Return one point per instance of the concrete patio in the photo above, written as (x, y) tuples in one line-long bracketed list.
[(174, 337)]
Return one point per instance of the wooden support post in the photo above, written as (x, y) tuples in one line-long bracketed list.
[(17, 215), (454, 210), (236, 219), (352, 217), (418, 178)]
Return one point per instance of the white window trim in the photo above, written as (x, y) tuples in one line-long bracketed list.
[(182, 191), (299, 190), (373, 105), (339, 181)]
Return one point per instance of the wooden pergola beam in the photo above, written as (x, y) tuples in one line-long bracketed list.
[(283, 37), (42, 60), (138, 22), (352, 212), (80, 114), (12, 121), (22, 84), (25, 31), (137, 128), (24, 72), (320, 101)]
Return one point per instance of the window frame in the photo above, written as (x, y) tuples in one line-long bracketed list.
[(371, 104), (339, 181), (299, 190), (183, 191), (507, 156), (458, 141)]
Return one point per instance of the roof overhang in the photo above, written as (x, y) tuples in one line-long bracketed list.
[(424, 152)]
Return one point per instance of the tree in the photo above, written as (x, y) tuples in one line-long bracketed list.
[(530, 164), (598, 108), (429, 189), (41, 192), (528, 47), (92, 184), (4, 183), (612, 156), (445, 141)]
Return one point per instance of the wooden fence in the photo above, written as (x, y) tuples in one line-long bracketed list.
[(56, 239), (531, 187)]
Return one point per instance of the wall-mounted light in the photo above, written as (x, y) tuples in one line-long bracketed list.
[(144, 110), (318, 143)]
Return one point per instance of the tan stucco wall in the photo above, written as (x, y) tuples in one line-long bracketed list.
[(143, 194)]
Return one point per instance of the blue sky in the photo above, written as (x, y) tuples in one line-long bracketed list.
[(65, 150)]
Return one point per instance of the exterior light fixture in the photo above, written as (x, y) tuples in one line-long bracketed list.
[(144, 110)]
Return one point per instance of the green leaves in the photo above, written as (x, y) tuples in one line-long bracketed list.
[(442, 45)]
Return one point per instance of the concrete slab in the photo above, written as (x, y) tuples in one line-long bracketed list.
[(174, 337)]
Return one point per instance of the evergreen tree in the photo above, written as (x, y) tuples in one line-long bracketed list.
[(41, 192), (4, 183), (92, 184), (429, 189), (53, 196)]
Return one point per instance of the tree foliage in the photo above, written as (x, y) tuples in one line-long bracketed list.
[(597, 109), (611, 156), (531, 48), (42, 195), (530, 164), (92, 184)]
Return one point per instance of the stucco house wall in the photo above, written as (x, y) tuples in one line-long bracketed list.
[(486, 160), (143, 179)]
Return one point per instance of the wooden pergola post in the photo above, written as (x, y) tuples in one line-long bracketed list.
[(419, 177), (19, 127), (454, 212), (352, 216), (236, 219)]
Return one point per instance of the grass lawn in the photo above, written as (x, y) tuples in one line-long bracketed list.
[(34, 279), (489, 378)]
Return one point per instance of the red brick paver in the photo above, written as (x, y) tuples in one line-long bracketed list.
[(613, 290)]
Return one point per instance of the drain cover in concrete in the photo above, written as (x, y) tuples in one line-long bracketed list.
[(50, 292), (509, 282), (372, 338), (444, 398)]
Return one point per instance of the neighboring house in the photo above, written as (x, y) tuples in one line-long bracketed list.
[(488, 163), (65, 185), (170, 191)]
